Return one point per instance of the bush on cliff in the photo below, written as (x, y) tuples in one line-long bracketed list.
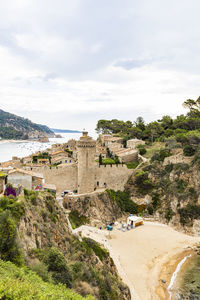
[(77, 220), (160, 155), (143, 183), (98, 250), (142, 149), (123, 200), (10, 212), (189, 213), (56, 263), (188, 150)]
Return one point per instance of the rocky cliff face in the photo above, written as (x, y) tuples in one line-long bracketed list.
[(170, 191), (44, 226), (98, 207)]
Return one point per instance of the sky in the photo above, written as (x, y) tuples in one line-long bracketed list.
[(68, 64)]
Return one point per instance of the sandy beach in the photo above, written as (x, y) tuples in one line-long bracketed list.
[(149, 254)]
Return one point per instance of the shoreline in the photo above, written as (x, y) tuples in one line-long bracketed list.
[(149, 255), (13, 141), (167, 272)]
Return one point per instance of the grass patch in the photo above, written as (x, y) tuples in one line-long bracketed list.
[(108, 161), (132, 165)]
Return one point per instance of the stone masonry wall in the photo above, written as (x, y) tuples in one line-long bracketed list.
[(112, 177), (64, 177), (21, 179)]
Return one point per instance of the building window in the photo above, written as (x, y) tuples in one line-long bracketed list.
[(97, 183), (66, 161), (105, 185)]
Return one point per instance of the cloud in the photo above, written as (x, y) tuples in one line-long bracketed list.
[(73, 62)]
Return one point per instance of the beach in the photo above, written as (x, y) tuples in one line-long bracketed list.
[(149, 255)]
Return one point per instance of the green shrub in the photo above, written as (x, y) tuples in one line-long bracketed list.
[(180, 185), (169, 168), (50, 203), (142, 149), (77, 220), (188, 150), (160, 155), (31, 196), (196, 159), (42, 270), (56, 263), (53, 218), (9, 249), (168, 214), (143, 183), (156, 200), (33, 199), (123, 200), (150, 209), (189, 213), (11, 210), (13, 205), (181, 167), (98, 250), (44, 214), (192, 193)]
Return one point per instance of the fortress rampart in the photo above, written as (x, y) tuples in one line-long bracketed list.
[(112, 176)]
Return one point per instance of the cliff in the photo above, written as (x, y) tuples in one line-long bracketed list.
[(15, 127), (169, 189), (54, 254), (98, 208)]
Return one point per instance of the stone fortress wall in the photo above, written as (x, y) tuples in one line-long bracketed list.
[(112, 176), (86, 176), (64, 177)]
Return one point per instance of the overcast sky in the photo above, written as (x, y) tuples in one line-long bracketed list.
[(69, 63)]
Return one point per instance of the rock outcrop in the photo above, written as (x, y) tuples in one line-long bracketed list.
[(98, 207)]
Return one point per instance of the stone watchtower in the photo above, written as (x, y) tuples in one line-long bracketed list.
[(86, 163)]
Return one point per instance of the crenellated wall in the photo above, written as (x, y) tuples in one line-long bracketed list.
[(64, 178), (112, 176)]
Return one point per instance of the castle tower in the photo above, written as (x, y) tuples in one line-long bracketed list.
[(86, 163)]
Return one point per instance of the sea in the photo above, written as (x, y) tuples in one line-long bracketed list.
[(188, 280), (8, 149)]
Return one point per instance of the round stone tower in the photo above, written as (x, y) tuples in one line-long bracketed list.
[(86, 163)]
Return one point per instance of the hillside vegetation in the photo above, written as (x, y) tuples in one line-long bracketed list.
[(167, 185), (15, 127), (23, 284), (182, 129), (34, 233)]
